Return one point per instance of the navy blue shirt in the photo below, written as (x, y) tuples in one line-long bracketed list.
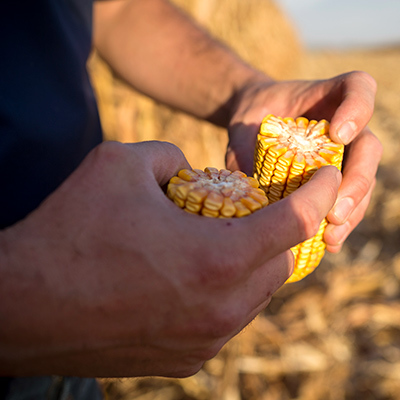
[(48, 123), (48, 114)]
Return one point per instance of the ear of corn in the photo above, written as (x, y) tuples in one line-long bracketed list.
[(216, 193), (288, 152)]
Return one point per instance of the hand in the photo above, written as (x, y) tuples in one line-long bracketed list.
[(347, 101), (109, 278)]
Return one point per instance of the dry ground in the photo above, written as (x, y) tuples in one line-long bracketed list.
[(336, 334)]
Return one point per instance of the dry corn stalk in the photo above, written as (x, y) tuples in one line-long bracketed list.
[(216, 193), (287, 154)]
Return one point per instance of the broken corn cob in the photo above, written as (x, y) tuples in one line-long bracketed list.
[(287, 154), (216, 193)]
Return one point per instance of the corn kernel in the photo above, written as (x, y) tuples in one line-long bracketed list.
[(287, 154), (216, 193)]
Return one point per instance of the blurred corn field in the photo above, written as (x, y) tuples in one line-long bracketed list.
[(336, 334)]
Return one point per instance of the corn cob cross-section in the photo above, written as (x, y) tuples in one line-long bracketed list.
[(216, 193), (288, 152)]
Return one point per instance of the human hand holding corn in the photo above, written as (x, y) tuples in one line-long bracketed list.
[(151, 290), (347, 101)]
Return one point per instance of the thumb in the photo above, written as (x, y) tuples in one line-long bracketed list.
[(295, 218)]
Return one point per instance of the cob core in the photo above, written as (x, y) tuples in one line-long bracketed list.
[(288, 152)]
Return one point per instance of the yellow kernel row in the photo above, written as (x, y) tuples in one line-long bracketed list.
[(287, 153)]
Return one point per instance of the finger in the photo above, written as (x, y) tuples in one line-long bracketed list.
[(256, 294), (335, 235), (362, 159), (162, 159), (282, 225), (355, 111), (240, 151), (267, 279)]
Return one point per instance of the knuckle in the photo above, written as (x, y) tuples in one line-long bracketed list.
[(377, 146), (109, 152), (362, 76), (194, 361), (167, 146), (103, 160), (216, 322), (361, 186), (223, 322), (188, 371), (360, 82), (367, 78), (365, 107), (207, 353), (109, 148), (173, 151)]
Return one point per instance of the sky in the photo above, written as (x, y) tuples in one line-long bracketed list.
[(345, 23)]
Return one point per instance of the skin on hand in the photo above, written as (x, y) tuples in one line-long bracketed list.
[(109, 278), (348, 102)]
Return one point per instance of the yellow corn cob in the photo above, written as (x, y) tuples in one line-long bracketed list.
[(216, 193), (287, 154)]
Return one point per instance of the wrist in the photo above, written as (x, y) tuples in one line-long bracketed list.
[(245, 81), (250, 102)]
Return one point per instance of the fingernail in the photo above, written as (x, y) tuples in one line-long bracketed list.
[(347, 131), (343, 208)]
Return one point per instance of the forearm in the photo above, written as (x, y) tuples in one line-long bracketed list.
[(161, 52)]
